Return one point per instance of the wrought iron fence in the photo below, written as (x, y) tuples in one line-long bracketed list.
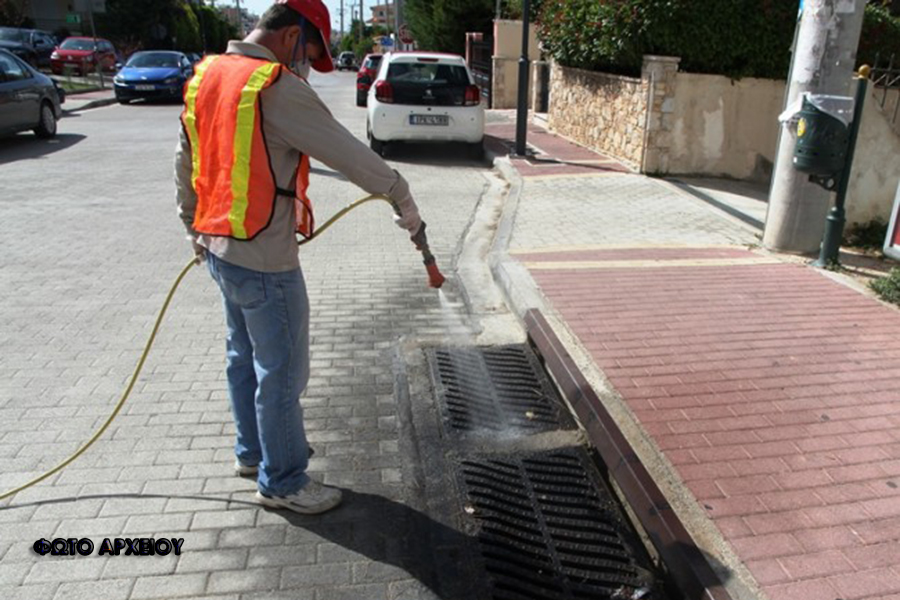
[(885, 76), (482, 65)]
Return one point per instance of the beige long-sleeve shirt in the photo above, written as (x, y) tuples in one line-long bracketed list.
[(295, 120)]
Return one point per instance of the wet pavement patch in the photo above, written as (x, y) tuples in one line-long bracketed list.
[(497, 389)]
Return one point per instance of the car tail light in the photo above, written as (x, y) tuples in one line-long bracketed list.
[(473, 95), (384, 92)]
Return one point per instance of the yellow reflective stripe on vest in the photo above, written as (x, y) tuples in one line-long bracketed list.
[(190, 116), (243, 147)]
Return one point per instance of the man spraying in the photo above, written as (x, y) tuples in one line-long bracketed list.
[(251, 122)]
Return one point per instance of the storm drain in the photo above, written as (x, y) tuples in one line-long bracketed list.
[(548, 529), (496, 389)]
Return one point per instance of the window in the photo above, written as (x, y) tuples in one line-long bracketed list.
[(77, 44), (12, 69)]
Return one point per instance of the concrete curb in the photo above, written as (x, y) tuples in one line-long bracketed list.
[(89, 105)]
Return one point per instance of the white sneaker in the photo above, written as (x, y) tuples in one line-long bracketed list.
[(313, 499), (242, 470)]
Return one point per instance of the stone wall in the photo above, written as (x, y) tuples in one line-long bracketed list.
[(600, 111), (628, 118)]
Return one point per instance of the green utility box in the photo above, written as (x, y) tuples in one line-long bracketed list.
[(822, 141)]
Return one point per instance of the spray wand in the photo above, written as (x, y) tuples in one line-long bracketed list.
[(435, 278)]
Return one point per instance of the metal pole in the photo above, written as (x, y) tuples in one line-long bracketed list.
[(829, 254), (522, 103), (94, 36), (342, 18), (362, 23)]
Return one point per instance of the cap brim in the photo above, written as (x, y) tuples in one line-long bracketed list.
[(325, 64)]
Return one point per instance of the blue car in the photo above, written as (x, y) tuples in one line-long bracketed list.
[(154, 74)]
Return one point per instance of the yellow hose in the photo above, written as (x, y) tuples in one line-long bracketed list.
[(149, 344), (343, 212)]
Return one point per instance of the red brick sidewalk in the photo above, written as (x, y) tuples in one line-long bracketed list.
[(554, 157), (773, 391)]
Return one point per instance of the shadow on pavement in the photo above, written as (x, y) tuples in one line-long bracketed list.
[(438, 155), (28, 146), (380, 529), (388, 532)]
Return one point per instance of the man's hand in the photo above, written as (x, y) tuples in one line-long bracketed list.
[(409, 220), (199, 252)]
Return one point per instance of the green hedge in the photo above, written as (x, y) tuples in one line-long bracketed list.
[(881, 37), (736, 38)]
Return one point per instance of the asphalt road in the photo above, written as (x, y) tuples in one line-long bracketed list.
[(91, 245)]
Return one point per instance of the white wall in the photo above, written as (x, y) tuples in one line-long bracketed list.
[(876, 164), (724, 127)]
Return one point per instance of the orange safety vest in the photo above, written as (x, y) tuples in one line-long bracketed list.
[(232, 174)]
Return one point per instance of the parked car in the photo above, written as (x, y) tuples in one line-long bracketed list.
[(83, 55), (427, 97), (346, 60), (194, 57), (28, 98), (153, 74), (365, 76), (31, 45)]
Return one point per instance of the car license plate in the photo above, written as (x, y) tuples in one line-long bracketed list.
[(145, 88), (429, 120)]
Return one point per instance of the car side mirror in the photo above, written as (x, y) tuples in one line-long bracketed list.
[(118, 66)]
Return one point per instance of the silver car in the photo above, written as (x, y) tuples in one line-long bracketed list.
[(28, 99)]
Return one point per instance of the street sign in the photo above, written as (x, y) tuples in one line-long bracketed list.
[(97, 6), (892, 240), (404, 34), (386, 41), (73, 18)]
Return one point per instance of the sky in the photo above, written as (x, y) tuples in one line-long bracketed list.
[(259, 7)]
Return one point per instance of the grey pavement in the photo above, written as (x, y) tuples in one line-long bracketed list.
[(93, 248), (616, 209), (96, 98)]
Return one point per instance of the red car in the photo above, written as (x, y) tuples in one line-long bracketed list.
[(82, 55), (365, 76)]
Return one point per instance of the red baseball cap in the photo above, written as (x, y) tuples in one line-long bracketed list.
[(316, 13)]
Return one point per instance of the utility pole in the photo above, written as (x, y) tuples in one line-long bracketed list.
[(342, 18), (398, 8), (90, 5), (522, 103), (362, 23), (240, 20), (823, 63)]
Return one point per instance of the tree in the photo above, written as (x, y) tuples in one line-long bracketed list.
[(441, 25), (15, 14), (165, 24), (351, 40)]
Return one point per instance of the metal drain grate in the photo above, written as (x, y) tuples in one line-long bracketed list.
[(496, 389), (548, 529)]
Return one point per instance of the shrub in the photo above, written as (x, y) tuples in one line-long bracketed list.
[(736, 38), (880, 38), (888, 288), (867, 236)]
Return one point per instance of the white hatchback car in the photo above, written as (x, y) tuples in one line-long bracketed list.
[(424, 97)]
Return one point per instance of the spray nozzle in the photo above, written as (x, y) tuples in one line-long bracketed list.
[(435, 278)]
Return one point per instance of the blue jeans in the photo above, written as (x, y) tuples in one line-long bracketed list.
[(267, 369)]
